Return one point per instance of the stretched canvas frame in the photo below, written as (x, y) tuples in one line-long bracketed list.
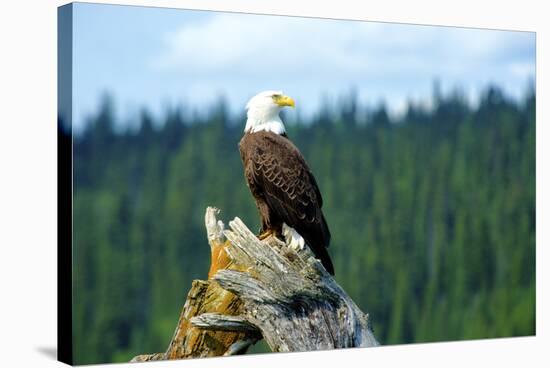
[(67, 320)]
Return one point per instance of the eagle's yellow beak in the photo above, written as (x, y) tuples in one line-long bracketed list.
[(283, 100)]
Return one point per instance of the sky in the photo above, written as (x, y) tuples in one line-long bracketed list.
[(154, 58)]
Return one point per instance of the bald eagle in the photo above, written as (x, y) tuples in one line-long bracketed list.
[(280, 180)]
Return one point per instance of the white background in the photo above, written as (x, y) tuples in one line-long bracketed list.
[(28, 181)]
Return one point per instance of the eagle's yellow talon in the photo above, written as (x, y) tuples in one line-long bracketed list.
[(265, 234)]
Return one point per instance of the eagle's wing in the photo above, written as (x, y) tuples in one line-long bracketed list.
[(290, 190)]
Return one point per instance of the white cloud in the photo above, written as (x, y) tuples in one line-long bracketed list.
[(522, 69), (237, 52), (259, 45)]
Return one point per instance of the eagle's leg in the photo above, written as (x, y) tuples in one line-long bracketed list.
[(265, 234), (263, 208), (270, 227), (272, 231)]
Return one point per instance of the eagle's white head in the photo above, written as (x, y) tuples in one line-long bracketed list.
[(263, 112)]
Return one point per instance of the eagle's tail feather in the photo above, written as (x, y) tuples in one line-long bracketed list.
[(324, 257), (318, 240)]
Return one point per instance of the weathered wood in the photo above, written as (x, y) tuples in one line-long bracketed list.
[(147, 358), (206, 297), (289, 296), (222, 322), (263, 288)]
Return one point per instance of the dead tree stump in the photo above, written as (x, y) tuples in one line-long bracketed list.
[(263, 289)]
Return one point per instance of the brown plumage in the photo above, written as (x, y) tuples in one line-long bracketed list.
[(285, 190)]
